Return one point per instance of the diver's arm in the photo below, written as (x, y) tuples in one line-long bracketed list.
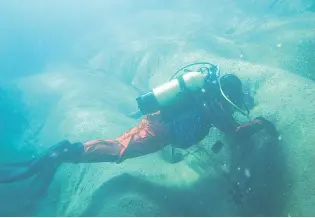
[(246, 130)]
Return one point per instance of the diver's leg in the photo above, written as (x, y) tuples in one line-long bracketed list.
[(149, 136), (99, 151)]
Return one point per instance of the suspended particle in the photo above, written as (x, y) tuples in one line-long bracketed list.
[(279, 138), (247, 173)]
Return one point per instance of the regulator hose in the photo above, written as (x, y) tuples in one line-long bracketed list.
[(245, 113)]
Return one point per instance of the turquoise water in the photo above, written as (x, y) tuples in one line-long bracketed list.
[(73, 70)]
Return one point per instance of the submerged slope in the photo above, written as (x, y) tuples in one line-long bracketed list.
[(92, 111)]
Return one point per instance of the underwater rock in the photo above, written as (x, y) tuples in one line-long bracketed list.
[(263, 175)]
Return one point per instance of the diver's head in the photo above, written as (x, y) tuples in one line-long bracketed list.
[(232, 88)]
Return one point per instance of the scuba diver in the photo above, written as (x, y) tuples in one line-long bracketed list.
[(179, 113)]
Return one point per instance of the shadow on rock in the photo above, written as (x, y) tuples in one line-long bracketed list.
[(257, 184), (260, 178), (199, 199)]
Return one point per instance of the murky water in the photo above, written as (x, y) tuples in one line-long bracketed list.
[(74, 69)]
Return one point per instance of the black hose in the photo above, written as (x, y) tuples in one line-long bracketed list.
[(189, 65)]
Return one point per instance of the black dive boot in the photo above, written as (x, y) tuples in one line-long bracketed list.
[(59, 153)]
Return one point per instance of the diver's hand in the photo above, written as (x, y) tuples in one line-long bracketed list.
[(248, 129)]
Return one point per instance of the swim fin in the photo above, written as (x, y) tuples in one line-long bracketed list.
[(14, 171), (61, 152)]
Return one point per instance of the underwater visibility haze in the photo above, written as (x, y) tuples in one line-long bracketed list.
[(74, 69)]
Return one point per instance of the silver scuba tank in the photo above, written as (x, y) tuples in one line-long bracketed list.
[(167, 93)]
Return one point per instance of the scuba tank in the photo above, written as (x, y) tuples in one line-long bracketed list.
[(166, 94)]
